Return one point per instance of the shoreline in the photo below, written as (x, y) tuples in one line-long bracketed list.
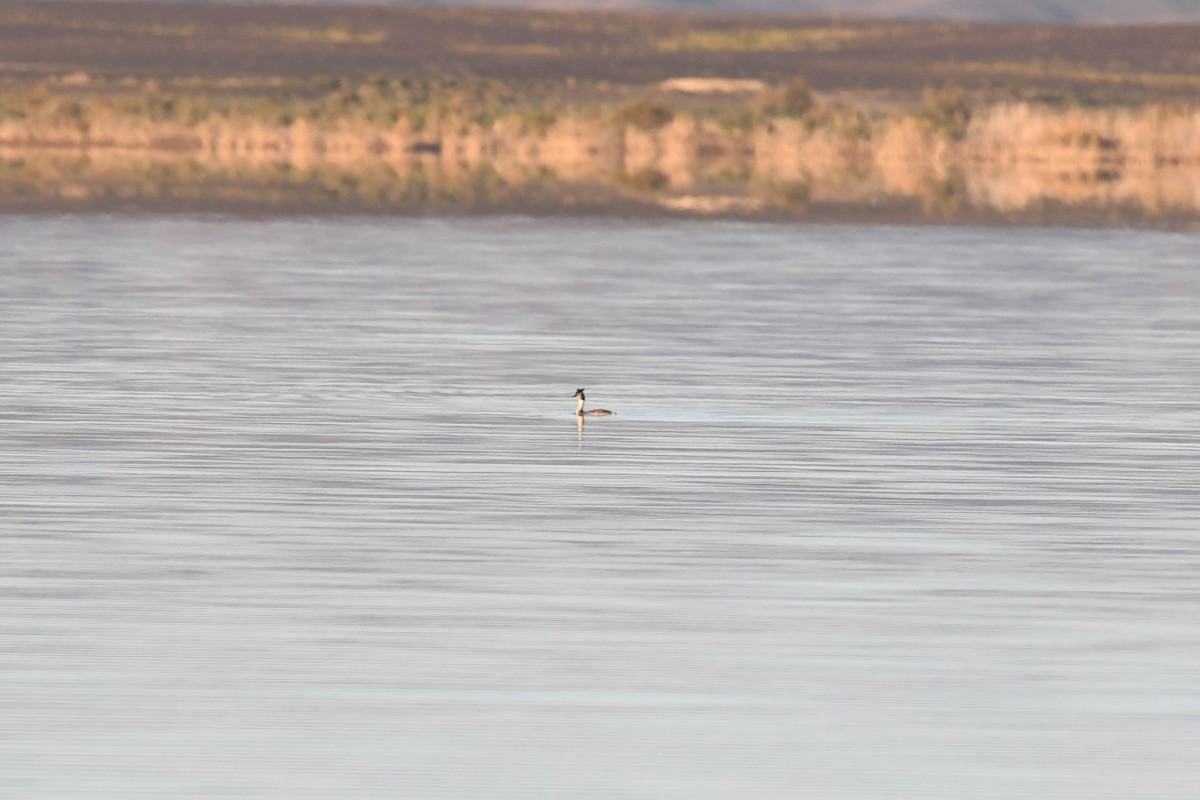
[(1016, 164), (892, 213), (253, 127)]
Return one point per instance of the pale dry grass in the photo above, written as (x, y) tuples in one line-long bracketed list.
[(1011, 157), (1020, 132)]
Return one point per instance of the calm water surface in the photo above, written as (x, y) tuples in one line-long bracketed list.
[(300, 509)]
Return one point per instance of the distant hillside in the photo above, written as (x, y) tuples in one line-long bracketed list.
[(220, 106), (314, 44), (1069, 11)]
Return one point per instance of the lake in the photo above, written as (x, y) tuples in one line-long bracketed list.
[(300, 508)]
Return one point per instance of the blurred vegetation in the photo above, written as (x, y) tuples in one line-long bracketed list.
[(791, 99), (946, 110), (331, 35), (645, 181), (378, 186), (644, 114), (943, 196), (762, 39), (1109, 65), (149, 79), (76, 108), (794, 195), (77, 102), (328, 101)]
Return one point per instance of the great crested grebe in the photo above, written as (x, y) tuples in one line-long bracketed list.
[(595, 412)]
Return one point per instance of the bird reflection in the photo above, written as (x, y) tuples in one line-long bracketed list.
[(580, 413)]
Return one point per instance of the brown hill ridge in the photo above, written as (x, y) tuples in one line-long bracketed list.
[(1059, 11), (215, 42)]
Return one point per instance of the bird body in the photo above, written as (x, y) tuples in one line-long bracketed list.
[(595, 412)]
